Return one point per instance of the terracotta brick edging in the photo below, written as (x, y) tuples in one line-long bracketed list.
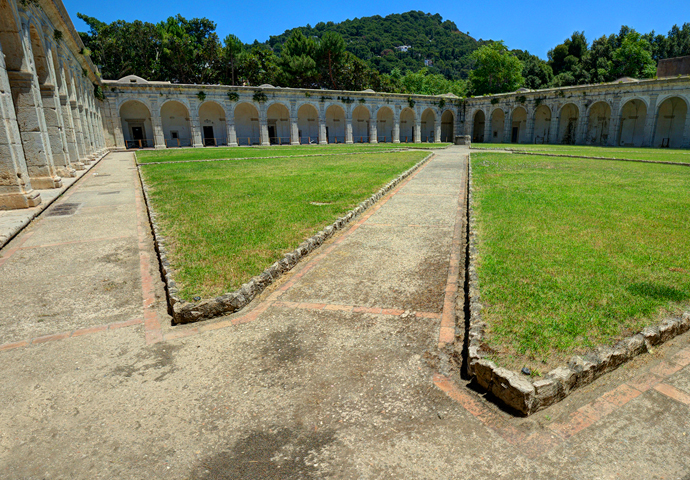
[(527, 395), (188, 312)]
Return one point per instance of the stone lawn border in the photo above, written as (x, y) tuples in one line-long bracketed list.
[(523, 152), (525, 394), (392, 150), (188, 312)]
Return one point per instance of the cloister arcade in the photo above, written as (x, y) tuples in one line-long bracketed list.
[(51, 120)]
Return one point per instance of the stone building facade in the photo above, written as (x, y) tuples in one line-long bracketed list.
[(51, 123), (629, 112)]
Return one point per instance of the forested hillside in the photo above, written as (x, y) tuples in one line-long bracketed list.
[(374, 39), (412, 52)]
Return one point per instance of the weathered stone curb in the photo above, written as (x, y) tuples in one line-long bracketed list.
[(525, 394), (187, 312), (15, 229), (523, 152), (392, 150)]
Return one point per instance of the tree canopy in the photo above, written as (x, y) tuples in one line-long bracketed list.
[(413, 52)]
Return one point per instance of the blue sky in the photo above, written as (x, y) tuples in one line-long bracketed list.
[(534, 25)]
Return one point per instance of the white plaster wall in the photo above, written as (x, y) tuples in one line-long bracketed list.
[(542, 124), (308, 124), (335, 121), (598, 124), (211, 114), (633, 117), (175, 117), (247, 124), (384, 124), (360, 124), (670, 122), (428, 125), (134, 112), (407, 119), (498, 119)]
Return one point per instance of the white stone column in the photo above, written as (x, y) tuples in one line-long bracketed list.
[(487, 128), (507, 127), (232, 133), (323, 138), (417, 130), (396, 127), (15, 184), (553, 128), (582, 126), (437, 129), (373, 131), (348, 129), (263, 128), (157, 124), (529, 135)]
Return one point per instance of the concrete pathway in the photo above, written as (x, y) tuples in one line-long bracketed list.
[(333, 373)]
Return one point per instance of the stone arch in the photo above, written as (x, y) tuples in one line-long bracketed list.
[(39, 53), (278, 122), (428, 130), (498, 124), (361, 116), (175, 120), (10, 38), (567, 124), (542, 124), (308, 123), (385, 122), (478, 126), (247, 124), (407, 121), (670, 122), (598, 122), (335, 124), (212, 118), (447, 126), (518, 128), (137, 129), (633, 116)]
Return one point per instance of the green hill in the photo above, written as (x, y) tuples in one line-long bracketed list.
[(374, 40)]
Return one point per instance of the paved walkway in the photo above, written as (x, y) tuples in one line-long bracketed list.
[(332, 373)]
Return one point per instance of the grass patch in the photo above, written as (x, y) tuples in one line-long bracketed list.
[(576, 253), (658, 154), (214, 153), (228, 221)]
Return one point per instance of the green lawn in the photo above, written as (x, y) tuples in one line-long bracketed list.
[(576, 253), (228, 221), (659, 154), (213, 153)]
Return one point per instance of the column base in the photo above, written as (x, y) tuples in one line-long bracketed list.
[(294, 143), (396, 141), (349, 142), (15, 201), (323, 142), (232, 144), (197, 145), (45, 183), (67, 172), (265, 144), (160, 147), (79, 166), (373, 141)]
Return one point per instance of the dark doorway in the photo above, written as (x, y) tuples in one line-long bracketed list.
[(138, 140), (272, 134), (209, 139), (327, 137), (516, 133)]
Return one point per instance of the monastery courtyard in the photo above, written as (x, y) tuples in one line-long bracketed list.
[(301, 383)]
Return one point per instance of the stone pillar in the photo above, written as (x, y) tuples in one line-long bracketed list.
[(417, 130), (15, 185), (396, 128), (529, 134), (76, 116), (323, 140), (294, 131), (437, 130), (232, 133), (27, 103), (348, 130), (582, 126), (157, 124), (55, 121), (488, 138), (553, 128), (373, 131), (263, 129), (69, 128), (650, 121), (195, 124), (507, 127)]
